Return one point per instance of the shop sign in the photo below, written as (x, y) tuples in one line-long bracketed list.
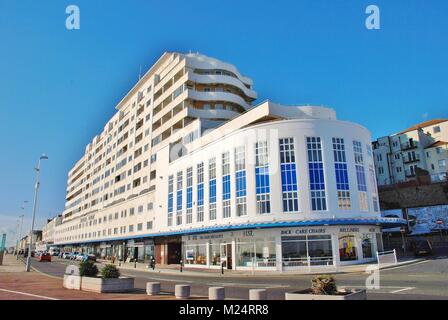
[(206, 236), (348, 229), (303, 231)]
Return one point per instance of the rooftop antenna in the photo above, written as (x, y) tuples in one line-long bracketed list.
[(140, 73)]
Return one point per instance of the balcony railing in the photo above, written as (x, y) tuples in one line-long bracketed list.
[(409, 145), (409, 174), (411, 159)]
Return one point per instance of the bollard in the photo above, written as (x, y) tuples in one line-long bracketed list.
[(216, 293), (153, 288), (182, 291), (257, 294)]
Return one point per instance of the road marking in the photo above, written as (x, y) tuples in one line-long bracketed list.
[(400, 289), (161, 279), (28, 294), (404, 289), (263, 285), (403, 266)]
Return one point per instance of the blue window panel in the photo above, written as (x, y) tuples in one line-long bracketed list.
[(200, 194), (226, 187), (341, 176), (179, 200), (240, 184), (189, 197), (361, 178), (262, 180), (289, 177), (170, 203), (212, 188)]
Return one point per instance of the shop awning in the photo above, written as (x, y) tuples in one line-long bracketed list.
[(382, 222)]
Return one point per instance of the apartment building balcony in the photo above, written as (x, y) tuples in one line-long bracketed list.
[(409, 174), (218, 96), (221, 79), (409, 146), (409, 160)]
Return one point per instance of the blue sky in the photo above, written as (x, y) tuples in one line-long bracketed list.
[(59, 87)]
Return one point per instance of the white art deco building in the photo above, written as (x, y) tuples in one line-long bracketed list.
[(188, 169)]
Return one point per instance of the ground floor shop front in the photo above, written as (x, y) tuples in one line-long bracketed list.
[(283, 249)]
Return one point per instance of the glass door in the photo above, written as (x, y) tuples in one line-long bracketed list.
[(226, 255), (347, 248)]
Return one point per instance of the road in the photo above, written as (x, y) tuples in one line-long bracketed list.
[(423, 280)]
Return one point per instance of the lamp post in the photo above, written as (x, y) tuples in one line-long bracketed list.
[(36, 192), (19, 235)]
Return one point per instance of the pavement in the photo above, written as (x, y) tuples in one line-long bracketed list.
[(426, 279), (176, 270), (415, 280), (17, 284)]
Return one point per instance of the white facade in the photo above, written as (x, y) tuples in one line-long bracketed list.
[(398, 157), (204, 164)]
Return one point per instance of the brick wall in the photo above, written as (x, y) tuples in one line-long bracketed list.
[(394, 197)]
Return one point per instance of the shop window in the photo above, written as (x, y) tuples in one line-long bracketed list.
[(367, 246), (195, 254), (300, 251), (257, 253), (347, 248)]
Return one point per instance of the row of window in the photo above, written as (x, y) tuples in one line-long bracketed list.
[(290, 199)]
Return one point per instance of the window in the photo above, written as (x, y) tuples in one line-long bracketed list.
[(442, 164), (140, 227), (436, 129), (262, 183), (149, 225), (200, 178), (226, 211), (170, 199), (360, 176), (189, 195), (179, 198), (289, 175), (340, 164), (212, 188), (240, 181), (131, 228), (316, 174)]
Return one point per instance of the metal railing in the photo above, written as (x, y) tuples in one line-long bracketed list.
[(387, 258)]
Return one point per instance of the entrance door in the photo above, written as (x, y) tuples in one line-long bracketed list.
[(174, 253), (226, 255)]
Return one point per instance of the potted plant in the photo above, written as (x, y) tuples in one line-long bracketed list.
[(110, 281), (323, 287)]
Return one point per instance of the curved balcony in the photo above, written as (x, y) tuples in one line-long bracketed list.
[(212, 114), (221, 79), (200, 61), (218, 96)]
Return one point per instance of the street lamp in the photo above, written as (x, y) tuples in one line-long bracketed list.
[(19, 235), (36, 192)]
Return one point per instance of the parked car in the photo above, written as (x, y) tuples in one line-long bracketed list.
[(80, 257), (422, 247), (44, 256), (74, 255), (66, 255)]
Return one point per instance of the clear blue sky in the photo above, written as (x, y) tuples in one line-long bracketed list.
[(59, 87)]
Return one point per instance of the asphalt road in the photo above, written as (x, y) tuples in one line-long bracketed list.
[(423, 280)]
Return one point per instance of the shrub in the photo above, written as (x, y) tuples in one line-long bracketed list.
[(110, 272), (324, 285), (88, 269)]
